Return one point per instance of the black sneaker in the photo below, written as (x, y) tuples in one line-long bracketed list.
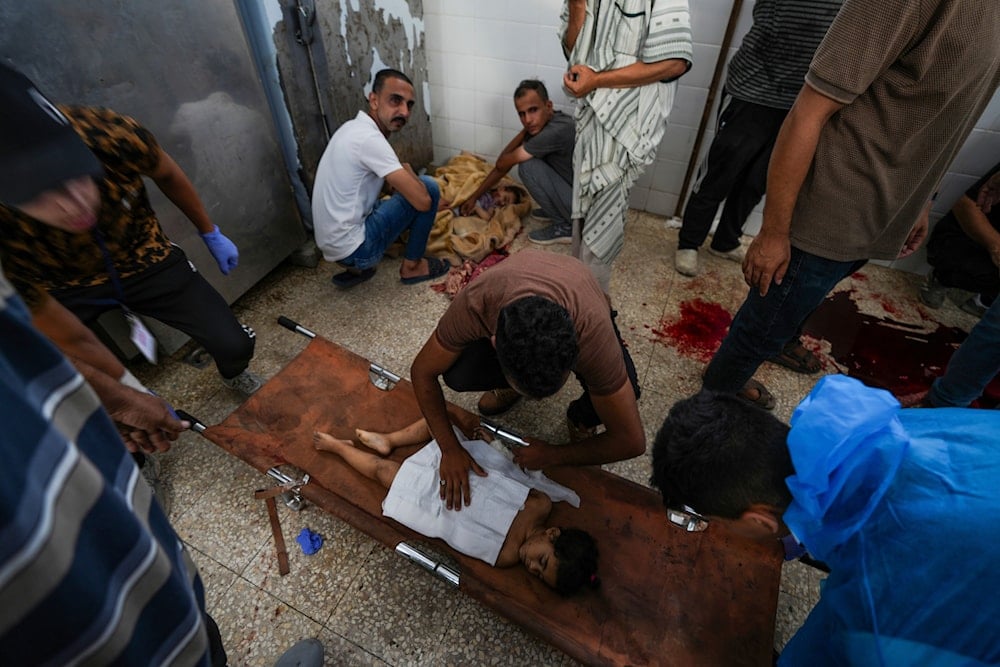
[(932, 293), (540, 215), (246, 383), (557, 232)]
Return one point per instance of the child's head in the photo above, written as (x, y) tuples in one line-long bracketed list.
[(506, 195), (564, 558)]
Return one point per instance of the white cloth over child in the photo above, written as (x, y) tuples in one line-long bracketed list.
[(480, 529)]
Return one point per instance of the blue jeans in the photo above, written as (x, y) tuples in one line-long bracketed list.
[(972, 366), (390, 218), (764, 324)]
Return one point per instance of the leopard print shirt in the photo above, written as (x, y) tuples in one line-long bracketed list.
[(37, 257)]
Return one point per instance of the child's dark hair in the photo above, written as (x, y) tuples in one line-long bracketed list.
[(577, 554), (514, 190)]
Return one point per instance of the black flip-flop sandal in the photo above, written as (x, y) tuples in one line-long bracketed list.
[(765, 399), (435, 269), (800, 363), (349, 279)]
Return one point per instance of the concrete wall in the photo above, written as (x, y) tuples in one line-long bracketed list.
[(354, 40)]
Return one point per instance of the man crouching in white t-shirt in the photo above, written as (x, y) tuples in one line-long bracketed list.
[(353, 225)]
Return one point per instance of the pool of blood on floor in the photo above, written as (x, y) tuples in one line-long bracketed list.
[(698, 331), (900, 357)]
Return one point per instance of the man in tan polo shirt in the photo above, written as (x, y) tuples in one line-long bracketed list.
[(891, 94)]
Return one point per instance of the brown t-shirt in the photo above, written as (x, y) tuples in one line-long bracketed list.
[(915, 77), (37, 257), (564, 280)]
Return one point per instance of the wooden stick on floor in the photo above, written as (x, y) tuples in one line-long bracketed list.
[(279, 539)]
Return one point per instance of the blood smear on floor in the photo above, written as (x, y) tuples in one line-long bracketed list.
[(881, 352), (699, 330)]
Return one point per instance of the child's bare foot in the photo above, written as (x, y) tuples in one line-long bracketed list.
[(376, 441), (327, 443)]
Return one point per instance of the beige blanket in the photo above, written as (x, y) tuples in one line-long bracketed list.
[(458, 238)]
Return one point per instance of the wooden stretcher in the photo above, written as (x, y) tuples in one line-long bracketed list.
[(666, 597)]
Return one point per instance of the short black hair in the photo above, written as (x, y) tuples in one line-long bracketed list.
[(536, 345), (720, 455), (387, 73), (514, 190), (532, 84), (577, 554)]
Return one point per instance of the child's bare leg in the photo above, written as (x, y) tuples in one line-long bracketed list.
[(416, 433), (383, 443), (371, 466)]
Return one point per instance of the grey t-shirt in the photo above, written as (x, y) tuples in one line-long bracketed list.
[(554, 144)]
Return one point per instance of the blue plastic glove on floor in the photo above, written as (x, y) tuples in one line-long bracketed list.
[(309, 541)]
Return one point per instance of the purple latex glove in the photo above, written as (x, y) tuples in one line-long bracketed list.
[(309, 541), (223, 250)]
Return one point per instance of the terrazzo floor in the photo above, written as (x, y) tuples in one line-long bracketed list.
[(367, 605)]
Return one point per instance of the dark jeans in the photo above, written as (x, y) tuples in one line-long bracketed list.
[(216, 651), (478, 369), (174, 293), (764, 324), (390, 218), (735, 170), (973, 365)]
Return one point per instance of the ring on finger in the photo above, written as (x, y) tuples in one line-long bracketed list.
[(443, 482)]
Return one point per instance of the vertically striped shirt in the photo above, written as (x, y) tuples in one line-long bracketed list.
[(771, 64), (619, 129), (91, 573)]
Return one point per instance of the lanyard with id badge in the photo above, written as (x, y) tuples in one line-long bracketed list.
[(139, 333)]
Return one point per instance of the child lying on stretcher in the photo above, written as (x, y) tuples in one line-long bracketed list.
[(507, 529)]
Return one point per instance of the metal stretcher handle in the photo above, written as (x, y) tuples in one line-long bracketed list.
[(507, 437), (292, 325), (428, 563), (196, 424)]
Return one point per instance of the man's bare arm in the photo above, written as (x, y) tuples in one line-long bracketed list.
[(977, 226), (581, 80), (73, 337), (768, 255), (406, 182), (623, 438), (512, 154), (175, 184), (431, 362), (577, 15)]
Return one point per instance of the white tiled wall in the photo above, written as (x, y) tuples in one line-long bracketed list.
[(478, 50)]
